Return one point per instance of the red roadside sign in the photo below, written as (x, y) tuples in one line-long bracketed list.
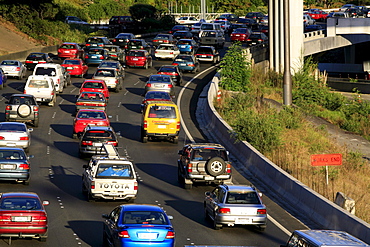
[(326, 160)]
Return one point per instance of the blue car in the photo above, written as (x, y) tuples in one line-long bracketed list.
[(187, 63), (132, 225), (187, 46), (96, 55), (3, 78)]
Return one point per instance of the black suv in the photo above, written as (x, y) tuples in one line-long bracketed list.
[(203, 162), (93, 138), (22, 108), (35, 58)]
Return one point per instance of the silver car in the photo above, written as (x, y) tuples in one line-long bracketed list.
[(14, 68), (14, 134), (162, 83), (166, 51), (235, 205), (111, 77), (112, 64), (14, 165)]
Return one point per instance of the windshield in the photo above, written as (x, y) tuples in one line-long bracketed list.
[(114, 170)]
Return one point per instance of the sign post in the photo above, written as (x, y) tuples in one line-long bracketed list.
[(326, 160)]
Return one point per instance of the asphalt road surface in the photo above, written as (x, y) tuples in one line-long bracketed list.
[(56, 171)]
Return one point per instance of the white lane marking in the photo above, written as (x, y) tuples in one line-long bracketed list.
[(179, 100), (119, 104), (74, 89), (61, 102), (192, 140), (136, 83), (49, 132), (125, 93), (54, 115), (116, 118), (47, 150)]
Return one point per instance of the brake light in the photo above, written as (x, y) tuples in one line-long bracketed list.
[(116, 81), (100, 45), (92, 186), (24, 138), (170, 234), (27, 61), (42, 61), (123, 234), (261, 211), (260, 40), (18, 69), (135, 186), (24, 91), (5, 218), (228, 168), (169, 85), (101, 57), (149, 85), (224, 210), (86, 56), (249, 40), (178, 126), (155, 40), (114, 143), (8, 108), (114, 40), (176, 64), (113, 55), (24, 166), (87, 143), (190, 168), (191, 65), (87, 44), (42, 218), (145, 124), (2, 138)]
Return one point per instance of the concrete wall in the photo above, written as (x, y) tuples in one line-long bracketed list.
[(322, 211), (23, 54)]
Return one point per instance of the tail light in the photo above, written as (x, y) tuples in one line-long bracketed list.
[(228, 168), (224, 210), (260, 40), (155, 40), (27, 61), (24, 138), (190, 168), (261, 211), (114, 40), (114, 143), (190, 47), (191, 65), (170, 235), (24, 166), (92, 186), (145, 124), (149, 85), (5, 218), (171, 53), (2, 138), (178, 125), (170, 86), (101, 57), (87, 45), (135, 186), (8, 108), (176, 64), (42, 61), (126, 46), (100, 45), (24, 91), (155, 52), (87, 143), (58, 81), (123, 234), (18, 69), (116, 81), (86, 57), (41, 218), (249, 40), (113, 55)]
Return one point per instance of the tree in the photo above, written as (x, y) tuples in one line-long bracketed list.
[(142, 11)]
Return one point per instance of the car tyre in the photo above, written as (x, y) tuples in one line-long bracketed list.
[(89, 197), (24, 110), (215, 166), (215, 225), (187, 186), (105, 240), (52, 103), (144, 139), (74, 136), (146, 66), (43, 237), (1, 86), (175, 140), (26, 182), (36, 122), (262, 228), (116, 89)]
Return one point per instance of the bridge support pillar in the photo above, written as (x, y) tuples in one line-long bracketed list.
[(349, 54)]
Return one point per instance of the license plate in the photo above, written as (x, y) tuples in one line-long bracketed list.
[(242, 221), (183, 46), (161, 126), (134, 47), (120, 40), (135, 59), (35, 62), (93, 56), (182, 64), (94, 45), (237, 35), (147, 235), (160, 41), (69, 67), (203, 56), (8, 166), (253, 43), (209, 178), (21, 218), (160, 86), (97, 144), (13, 116), (67, 51)]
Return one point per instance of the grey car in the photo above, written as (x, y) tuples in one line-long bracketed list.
[(14, 165), (14, 68), (111, 77), (162, 83), (22, 108), (13, 134), (235, 205), (112, 64)]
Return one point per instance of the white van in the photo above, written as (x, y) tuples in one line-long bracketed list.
[(321, 238), (211, 26), (55, 72), (42, 88)]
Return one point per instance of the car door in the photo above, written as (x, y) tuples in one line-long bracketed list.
[(211, 202), (111, 227)]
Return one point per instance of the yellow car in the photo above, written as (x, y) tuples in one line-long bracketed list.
[(161, 119)]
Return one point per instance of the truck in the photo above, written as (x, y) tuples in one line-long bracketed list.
[(110, 176)]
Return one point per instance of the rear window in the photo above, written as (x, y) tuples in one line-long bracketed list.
[(96, 52), (94, 40), (12, 155), (162, 112), (97, 85), (209, 34), (12, 63), (207, 27), (204, 51), (12, 127), (162, 37), (36, 57), (242, 198), (165, 47), (240, 30), (159, 79), (167, 69), (155, 95), (123, 36), (114, 170), (73, 62), (91, 115), (206, 154), (184, 42), (45, 71), (104, 72), (67, 46), (38, 84), (136, 54), (99, 134), (183, 58), (144, 217), (20, 203), (22, 100)]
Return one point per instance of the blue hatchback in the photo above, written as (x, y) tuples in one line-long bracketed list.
[(187, 63), (96, 55), (138, 225), (188, 46), (3, 78)]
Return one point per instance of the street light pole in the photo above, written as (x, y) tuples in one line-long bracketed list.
[(287, 78)]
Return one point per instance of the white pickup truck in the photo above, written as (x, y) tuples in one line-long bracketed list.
[(109, 176)]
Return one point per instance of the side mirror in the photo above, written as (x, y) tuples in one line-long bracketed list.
[(207, 193), (45, 203), (170, 217), (105, 216), (30, 129), (31, 156), (85, 166), (180, 152), (260, 194)]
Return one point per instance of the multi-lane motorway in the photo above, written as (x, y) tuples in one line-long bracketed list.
[(56, 171)]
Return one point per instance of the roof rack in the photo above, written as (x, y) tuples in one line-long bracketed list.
[(111, 151)]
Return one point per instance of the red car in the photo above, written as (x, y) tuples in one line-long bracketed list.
[(240, 34), (318, 15), (75, 66), (95, 86), (85, 117), (139, 58), (70, 50), (22, 214)]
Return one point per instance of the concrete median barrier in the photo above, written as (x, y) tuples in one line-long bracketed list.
[(23, 54)]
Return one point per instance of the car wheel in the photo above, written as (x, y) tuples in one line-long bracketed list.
[(215, 166), (262, 228), (175, 140), (1, 86), (26, 182), (144, 139), (146, 66), (105, 240), (52, 103), (43, 237), (81, 155), (74, 136), (36, 122), (215, 225), (116, 89), (24, 110), (27, 149), (89, 197), (188, 186)]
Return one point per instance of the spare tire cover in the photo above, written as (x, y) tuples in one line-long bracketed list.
[(24, 110), (215, 166)]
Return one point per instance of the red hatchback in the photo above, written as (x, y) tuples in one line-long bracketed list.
[(85, 117), (75, 66), (139, 58), (95, 86), (70, 50), (22, 214), (240, 34)]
